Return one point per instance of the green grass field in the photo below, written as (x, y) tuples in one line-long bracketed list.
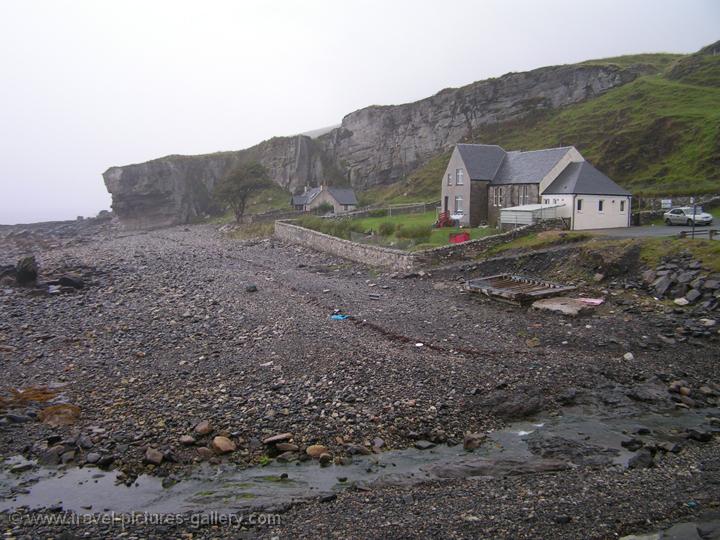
[(422, 235)]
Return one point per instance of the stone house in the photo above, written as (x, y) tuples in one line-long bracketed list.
[(481, 180), (343, 200)]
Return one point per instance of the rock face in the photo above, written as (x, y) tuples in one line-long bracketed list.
[(374, 145)]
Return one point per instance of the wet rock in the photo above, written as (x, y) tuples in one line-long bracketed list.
[(643, 459), (473, 441), (13, 418), (75, 282), (68, 456), (21, 468), (153, 456), (93, 457), (251, 288), (316, 450), (699, 434), (223, 445), (187, 440), (568, 396), (325, 458), (84, 442), (423, 445), (286, 457), (569, 450), (378, 443), (668, 446), (203, 428), (632, 444), (287, 447), (51, 456), (358, 449), (515, 406), (105, 461), (205, 453), (675, 386)]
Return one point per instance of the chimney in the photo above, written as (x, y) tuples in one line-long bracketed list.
[(305, 189)]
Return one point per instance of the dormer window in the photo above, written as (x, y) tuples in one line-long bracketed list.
[(458, 177)]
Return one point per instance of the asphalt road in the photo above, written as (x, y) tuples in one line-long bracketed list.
[(646, 231)]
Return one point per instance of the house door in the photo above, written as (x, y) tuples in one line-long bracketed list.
[(445, 206)]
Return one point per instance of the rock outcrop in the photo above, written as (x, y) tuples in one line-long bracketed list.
[(374, 145)]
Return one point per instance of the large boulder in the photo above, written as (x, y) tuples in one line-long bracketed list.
[(26, 271)]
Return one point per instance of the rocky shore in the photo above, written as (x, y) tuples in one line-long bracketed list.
[(183, 347)]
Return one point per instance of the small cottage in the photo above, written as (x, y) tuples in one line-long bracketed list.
[(343, 200)]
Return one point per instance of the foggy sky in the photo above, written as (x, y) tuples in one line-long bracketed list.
[(91, 84)]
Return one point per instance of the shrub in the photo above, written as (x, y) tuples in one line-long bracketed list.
[(386, 228), (420, 233), (324, 208), (380, 212)]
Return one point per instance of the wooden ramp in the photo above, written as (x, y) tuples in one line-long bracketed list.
[(516, 289)]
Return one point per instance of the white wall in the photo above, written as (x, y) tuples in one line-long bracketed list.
[(571, 156), (611, 216)]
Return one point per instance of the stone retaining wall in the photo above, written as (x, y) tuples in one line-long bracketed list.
[(363, 253), (394, 258)]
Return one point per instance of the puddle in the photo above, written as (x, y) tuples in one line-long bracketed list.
[(551, 443)]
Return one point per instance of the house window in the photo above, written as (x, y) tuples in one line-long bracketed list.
[(546, 201), (500, 196), (622, 206), (600, 205), (449, 179), (458, 204), (579, 205), (458, 177), (524, 195)]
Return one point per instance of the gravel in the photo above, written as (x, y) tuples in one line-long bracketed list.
[(181, 328)]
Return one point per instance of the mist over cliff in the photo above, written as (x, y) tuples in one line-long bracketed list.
[(374, 145)]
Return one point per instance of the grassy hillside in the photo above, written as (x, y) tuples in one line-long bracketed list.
[(659, 135)]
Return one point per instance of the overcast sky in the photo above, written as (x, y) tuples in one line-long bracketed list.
[(91, 84)]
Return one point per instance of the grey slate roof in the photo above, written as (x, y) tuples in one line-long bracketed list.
[(528, 167), (341, 195), (482, 161), (584, 179)]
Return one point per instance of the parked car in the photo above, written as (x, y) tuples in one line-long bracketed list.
[(684, 216)]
